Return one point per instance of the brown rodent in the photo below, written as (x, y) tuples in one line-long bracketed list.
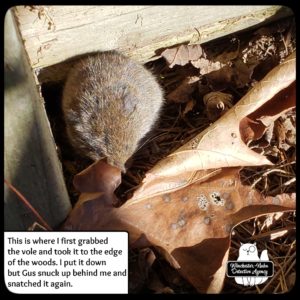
[(109, 103)]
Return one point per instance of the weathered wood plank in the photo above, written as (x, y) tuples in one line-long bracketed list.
[(53, 34), (30, 159)]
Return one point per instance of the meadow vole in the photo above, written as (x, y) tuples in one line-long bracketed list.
[(109, 103)]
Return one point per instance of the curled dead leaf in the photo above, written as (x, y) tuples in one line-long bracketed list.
[(230, 54), (182, 93), (98, 179), (140, 269), (255, 125), (220, 79), (206, 66), (182, 55), (221, 144), (217, 103), (190, 226)]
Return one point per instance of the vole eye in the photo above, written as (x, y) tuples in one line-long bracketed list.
[(96, 99)]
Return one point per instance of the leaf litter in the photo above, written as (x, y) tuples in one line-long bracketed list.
[(168, 218)]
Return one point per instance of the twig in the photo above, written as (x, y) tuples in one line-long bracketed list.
[(277, 274), (36, 225), (272, 232), (287, 272), (278, 189), (26, 202)]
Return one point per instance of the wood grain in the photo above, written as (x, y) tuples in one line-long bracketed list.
[(31, 164), (54, 34)]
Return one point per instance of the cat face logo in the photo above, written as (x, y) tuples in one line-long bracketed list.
[(256, 269), (248, 252)]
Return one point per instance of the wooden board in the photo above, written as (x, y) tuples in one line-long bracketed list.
[(30, 159), (54, 34)]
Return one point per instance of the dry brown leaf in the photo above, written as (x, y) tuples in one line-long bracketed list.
[(156, 285), (280, 134), (182, 93), (229, 55), (290, 131), (239, 74), (268, 135), (167, 274), (188, 107), (203, 89), (140, 269), (263, 67), (284, 101), (220, 79), (206, 66), (99, 180), (182, 55), (242, 73), (216, 104), (190, 226), (284, 130), (186, 213), (221, 145), (255, 125)]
